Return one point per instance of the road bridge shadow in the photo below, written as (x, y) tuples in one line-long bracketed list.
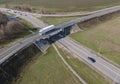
[(66, 31)]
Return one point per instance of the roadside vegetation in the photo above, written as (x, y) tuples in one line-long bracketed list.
[(26, 23), (8, 13), (103, 38), (47, 69), (84, 71), (47, 6), (57, 20), (11, 30)]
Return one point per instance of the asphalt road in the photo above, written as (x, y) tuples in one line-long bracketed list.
[(16, 47), (24, 42), (74, 14), (67, 14), (101, 65), (28, 17), (94, 14)]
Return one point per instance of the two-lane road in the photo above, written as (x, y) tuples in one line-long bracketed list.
[(24, 42), (16, 47), (82, 53)]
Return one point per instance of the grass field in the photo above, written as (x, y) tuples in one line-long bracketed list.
[(89, 75), (47, 69), (71, 5), (103, 38), (57, 20)]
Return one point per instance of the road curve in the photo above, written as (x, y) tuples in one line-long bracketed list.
[(65, 15), (73, 14)]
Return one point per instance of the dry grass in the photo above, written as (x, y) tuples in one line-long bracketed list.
[(64, 5)]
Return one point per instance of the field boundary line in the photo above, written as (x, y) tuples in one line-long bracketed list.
[(71, 69)]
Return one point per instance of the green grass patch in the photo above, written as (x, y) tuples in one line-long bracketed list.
[(103, 38), (84, 71), (47, 69), (57, 20), (2, 5), (30, 26), (8, 13)]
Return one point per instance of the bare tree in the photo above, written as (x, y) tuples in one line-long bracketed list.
[(3, 22)]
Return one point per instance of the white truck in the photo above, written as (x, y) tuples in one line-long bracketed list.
[(49, 31), (46, 29)]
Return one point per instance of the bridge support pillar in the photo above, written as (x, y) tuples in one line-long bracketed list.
[(43, 45), (75, 28)]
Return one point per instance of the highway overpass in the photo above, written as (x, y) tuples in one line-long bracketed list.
[(109, 70)]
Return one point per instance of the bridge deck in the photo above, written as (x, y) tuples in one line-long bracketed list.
[(29, 40)]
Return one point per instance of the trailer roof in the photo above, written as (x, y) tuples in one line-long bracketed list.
[(46, 28)]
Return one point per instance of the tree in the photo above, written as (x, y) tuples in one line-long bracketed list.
[(3, 22)]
